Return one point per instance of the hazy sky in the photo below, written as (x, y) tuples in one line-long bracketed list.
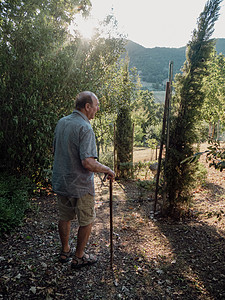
[(156, 23)]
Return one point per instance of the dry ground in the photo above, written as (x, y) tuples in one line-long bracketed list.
[(153, 258)]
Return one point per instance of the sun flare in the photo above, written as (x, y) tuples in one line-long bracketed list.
[(85, 27)]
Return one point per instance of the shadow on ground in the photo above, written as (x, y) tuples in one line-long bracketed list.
[(153, 259)]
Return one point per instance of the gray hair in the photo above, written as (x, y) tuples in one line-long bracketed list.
[(83, 98)]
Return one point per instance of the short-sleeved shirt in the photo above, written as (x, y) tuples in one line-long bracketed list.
[(74, 140)]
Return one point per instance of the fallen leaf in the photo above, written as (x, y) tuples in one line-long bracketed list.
[(33, 289)]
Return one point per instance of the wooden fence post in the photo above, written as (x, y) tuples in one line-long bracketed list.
[(114, 150), (169, 105), (165, 126), (162, 142)]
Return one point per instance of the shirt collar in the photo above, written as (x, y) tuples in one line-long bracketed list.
[(81, 114)]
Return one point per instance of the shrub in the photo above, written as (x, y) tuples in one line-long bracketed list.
[(135, 170), (14, 200), (200, 174)]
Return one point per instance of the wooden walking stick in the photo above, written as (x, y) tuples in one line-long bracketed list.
[(111, 219), (111, 223)]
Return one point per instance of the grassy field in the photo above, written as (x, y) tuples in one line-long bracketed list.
[(144, 154)]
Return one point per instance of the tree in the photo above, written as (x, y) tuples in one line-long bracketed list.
[(42, 68), (124, 128), (146, 115), (214, 89), (189, 98)]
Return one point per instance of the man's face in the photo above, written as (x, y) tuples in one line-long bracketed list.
[(93, 109)]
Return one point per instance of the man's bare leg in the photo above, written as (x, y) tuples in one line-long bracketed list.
[(64, 233), (82, 239)]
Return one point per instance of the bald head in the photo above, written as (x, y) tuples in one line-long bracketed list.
[(83, 98), (87, 103)]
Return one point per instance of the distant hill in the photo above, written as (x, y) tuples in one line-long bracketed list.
[(153, 63), (220, 46)]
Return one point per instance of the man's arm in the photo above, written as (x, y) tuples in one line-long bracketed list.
[(94, 166)]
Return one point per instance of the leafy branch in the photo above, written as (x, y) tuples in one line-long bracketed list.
[(215, 155)]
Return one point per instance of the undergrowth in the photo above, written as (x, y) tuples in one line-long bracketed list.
[(14, 201)]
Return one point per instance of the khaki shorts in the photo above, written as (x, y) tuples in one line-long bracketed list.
[(82, 208)]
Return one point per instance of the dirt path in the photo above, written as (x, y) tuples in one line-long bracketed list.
[(153, 259)]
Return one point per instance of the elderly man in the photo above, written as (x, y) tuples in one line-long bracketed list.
[(73, 176)]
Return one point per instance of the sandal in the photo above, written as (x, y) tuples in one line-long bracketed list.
[(84, 261), (68, 255)]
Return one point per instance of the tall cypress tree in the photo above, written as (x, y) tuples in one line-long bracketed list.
[(124, 131), (189, 99)]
